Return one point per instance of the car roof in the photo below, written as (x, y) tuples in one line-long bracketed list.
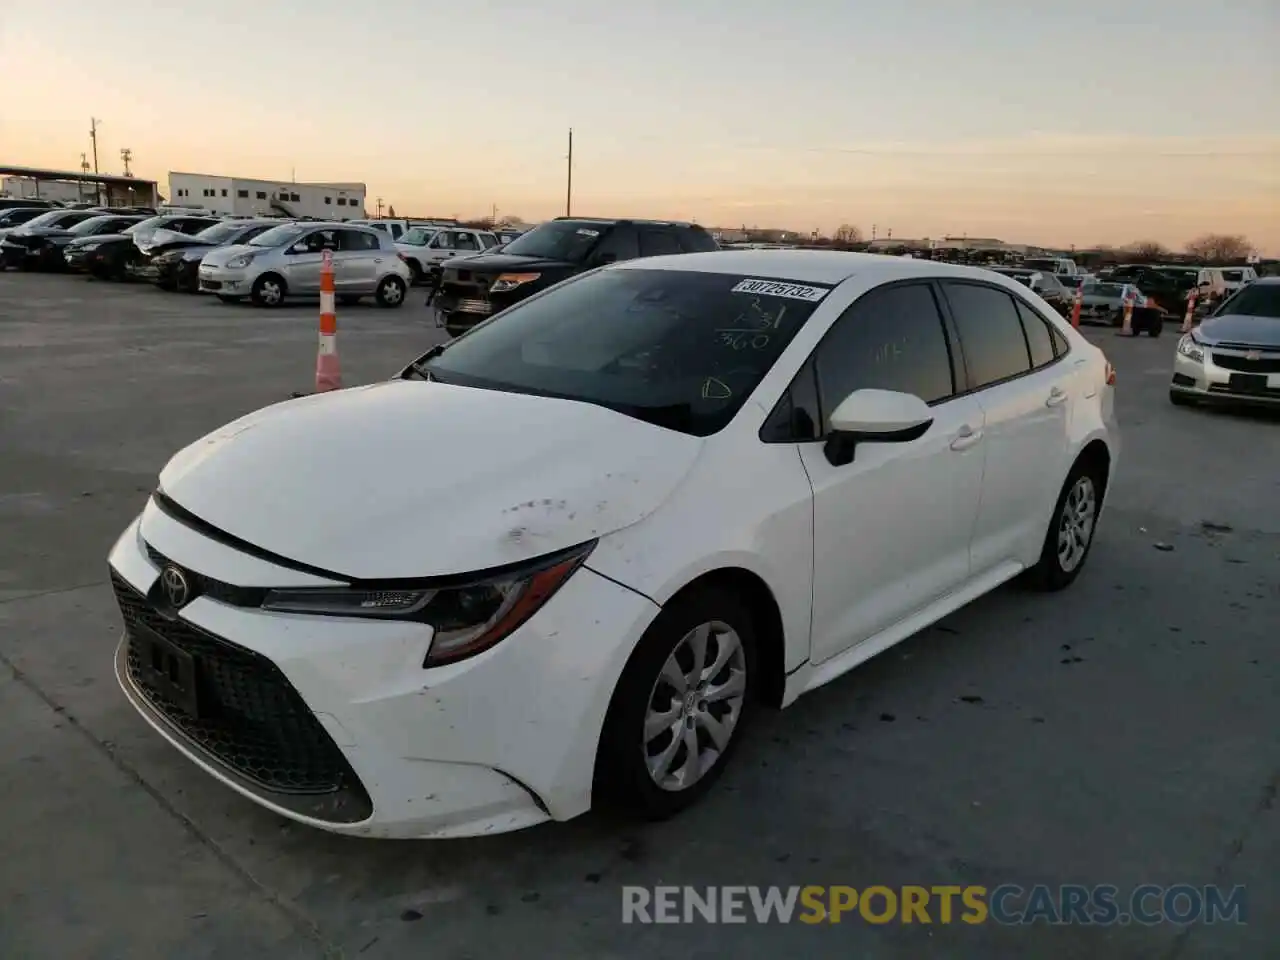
[(813, 266)]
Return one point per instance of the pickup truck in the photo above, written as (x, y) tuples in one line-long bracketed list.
[(425, 247)]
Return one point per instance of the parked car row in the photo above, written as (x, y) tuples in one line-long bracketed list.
[(266, 261)]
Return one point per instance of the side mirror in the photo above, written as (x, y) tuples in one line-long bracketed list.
[(298, 248), (875, 416)]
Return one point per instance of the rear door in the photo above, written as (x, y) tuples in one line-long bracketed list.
[(357, 262), (1026, 391)]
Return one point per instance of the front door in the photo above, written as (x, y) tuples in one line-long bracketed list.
[(1025, 384), (303, 260), (441, 247), (891, 530)]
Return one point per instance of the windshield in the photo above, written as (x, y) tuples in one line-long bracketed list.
[(1233, 276), (46, 219), (86, 227), (679, 349), (1255, 300), (221, 232), (567, 240), (418, 236), (278, 236), (17, 215)]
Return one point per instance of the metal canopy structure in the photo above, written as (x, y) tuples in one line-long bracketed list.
[(115, 187)]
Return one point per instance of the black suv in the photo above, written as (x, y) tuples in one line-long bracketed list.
[(470, 289)]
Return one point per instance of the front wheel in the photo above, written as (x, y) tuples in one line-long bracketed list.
[(1070, 535), (268, 291), (681, 706), (390, 292)]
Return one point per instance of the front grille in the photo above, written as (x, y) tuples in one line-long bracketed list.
[(1265, 364), (251, 719), (1265, 393)]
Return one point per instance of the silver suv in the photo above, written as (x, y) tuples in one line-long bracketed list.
[(285, 262)]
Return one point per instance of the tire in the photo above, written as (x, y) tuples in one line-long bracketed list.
[(415, 273), (188, 281), (390, 292), (1156, 327), (348, 300), (1117, 319), (1084, 485), (650, 777), (268, 290)]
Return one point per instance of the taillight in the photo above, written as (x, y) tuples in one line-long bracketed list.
[(1111, 375)]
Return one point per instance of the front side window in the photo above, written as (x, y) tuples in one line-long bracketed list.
[(990, 331), (466, 241), (620, 243), (679, 349), (418, 236), (891, 338)]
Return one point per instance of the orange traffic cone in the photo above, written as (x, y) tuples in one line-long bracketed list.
[(328, 374), (1189, 317), (1127, 329)]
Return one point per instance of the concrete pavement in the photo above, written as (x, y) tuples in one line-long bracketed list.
[(1123, 732)]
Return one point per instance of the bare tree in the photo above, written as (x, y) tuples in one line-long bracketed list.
[(848, 233), (1147, 250), (1220, 247)]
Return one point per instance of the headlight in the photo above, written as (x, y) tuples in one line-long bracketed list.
[(509, 281), (235, 263), (1190, 348), (469, 614)]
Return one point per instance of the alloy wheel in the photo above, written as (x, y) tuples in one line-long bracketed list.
[(1075, 526), (694, 706)]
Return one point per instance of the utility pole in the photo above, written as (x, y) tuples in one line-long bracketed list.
[(93, 135), (84, 171), (493, 216), (379, 215), (126, 155), (873, 231), (568, 193)]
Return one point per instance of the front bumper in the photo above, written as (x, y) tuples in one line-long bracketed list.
[(1208, 379), (227, 283), (499, 742)]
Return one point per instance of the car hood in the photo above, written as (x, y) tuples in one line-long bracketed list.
[(196, 249), (417, 479), (509, 263), (1242, 329), (218, 256), (155, 241)]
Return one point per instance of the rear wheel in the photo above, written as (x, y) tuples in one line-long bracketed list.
[(390, 292), (1070, 534), (268, 291), (680, 707)]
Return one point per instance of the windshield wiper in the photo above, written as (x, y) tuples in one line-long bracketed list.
[(419, 366)]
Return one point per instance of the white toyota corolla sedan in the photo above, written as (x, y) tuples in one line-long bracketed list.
[(561, 559)]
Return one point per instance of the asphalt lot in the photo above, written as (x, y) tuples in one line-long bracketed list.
[(1123, 732)]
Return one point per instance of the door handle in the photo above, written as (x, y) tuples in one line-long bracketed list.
[(965, 438), (1056, 396), (377, 259)]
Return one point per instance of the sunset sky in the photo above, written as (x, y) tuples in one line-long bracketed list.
[(1055, 123)]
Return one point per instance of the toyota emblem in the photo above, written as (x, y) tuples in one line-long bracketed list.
[(176, 589)]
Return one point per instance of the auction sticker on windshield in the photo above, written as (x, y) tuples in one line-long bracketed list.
[(776, 288)]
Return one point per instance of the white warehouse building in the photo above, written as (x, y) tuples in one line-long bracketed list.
[(267, 198)]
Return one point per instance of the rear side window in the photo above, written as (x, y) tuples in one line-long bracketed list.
[(1039, 337), (359, 240), (658, 242), (990, 331), (890, 339), (697, 241)]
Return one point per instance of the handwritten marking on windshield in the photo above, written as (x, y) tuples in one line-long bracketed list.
[(713, 389), (741, 339)]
